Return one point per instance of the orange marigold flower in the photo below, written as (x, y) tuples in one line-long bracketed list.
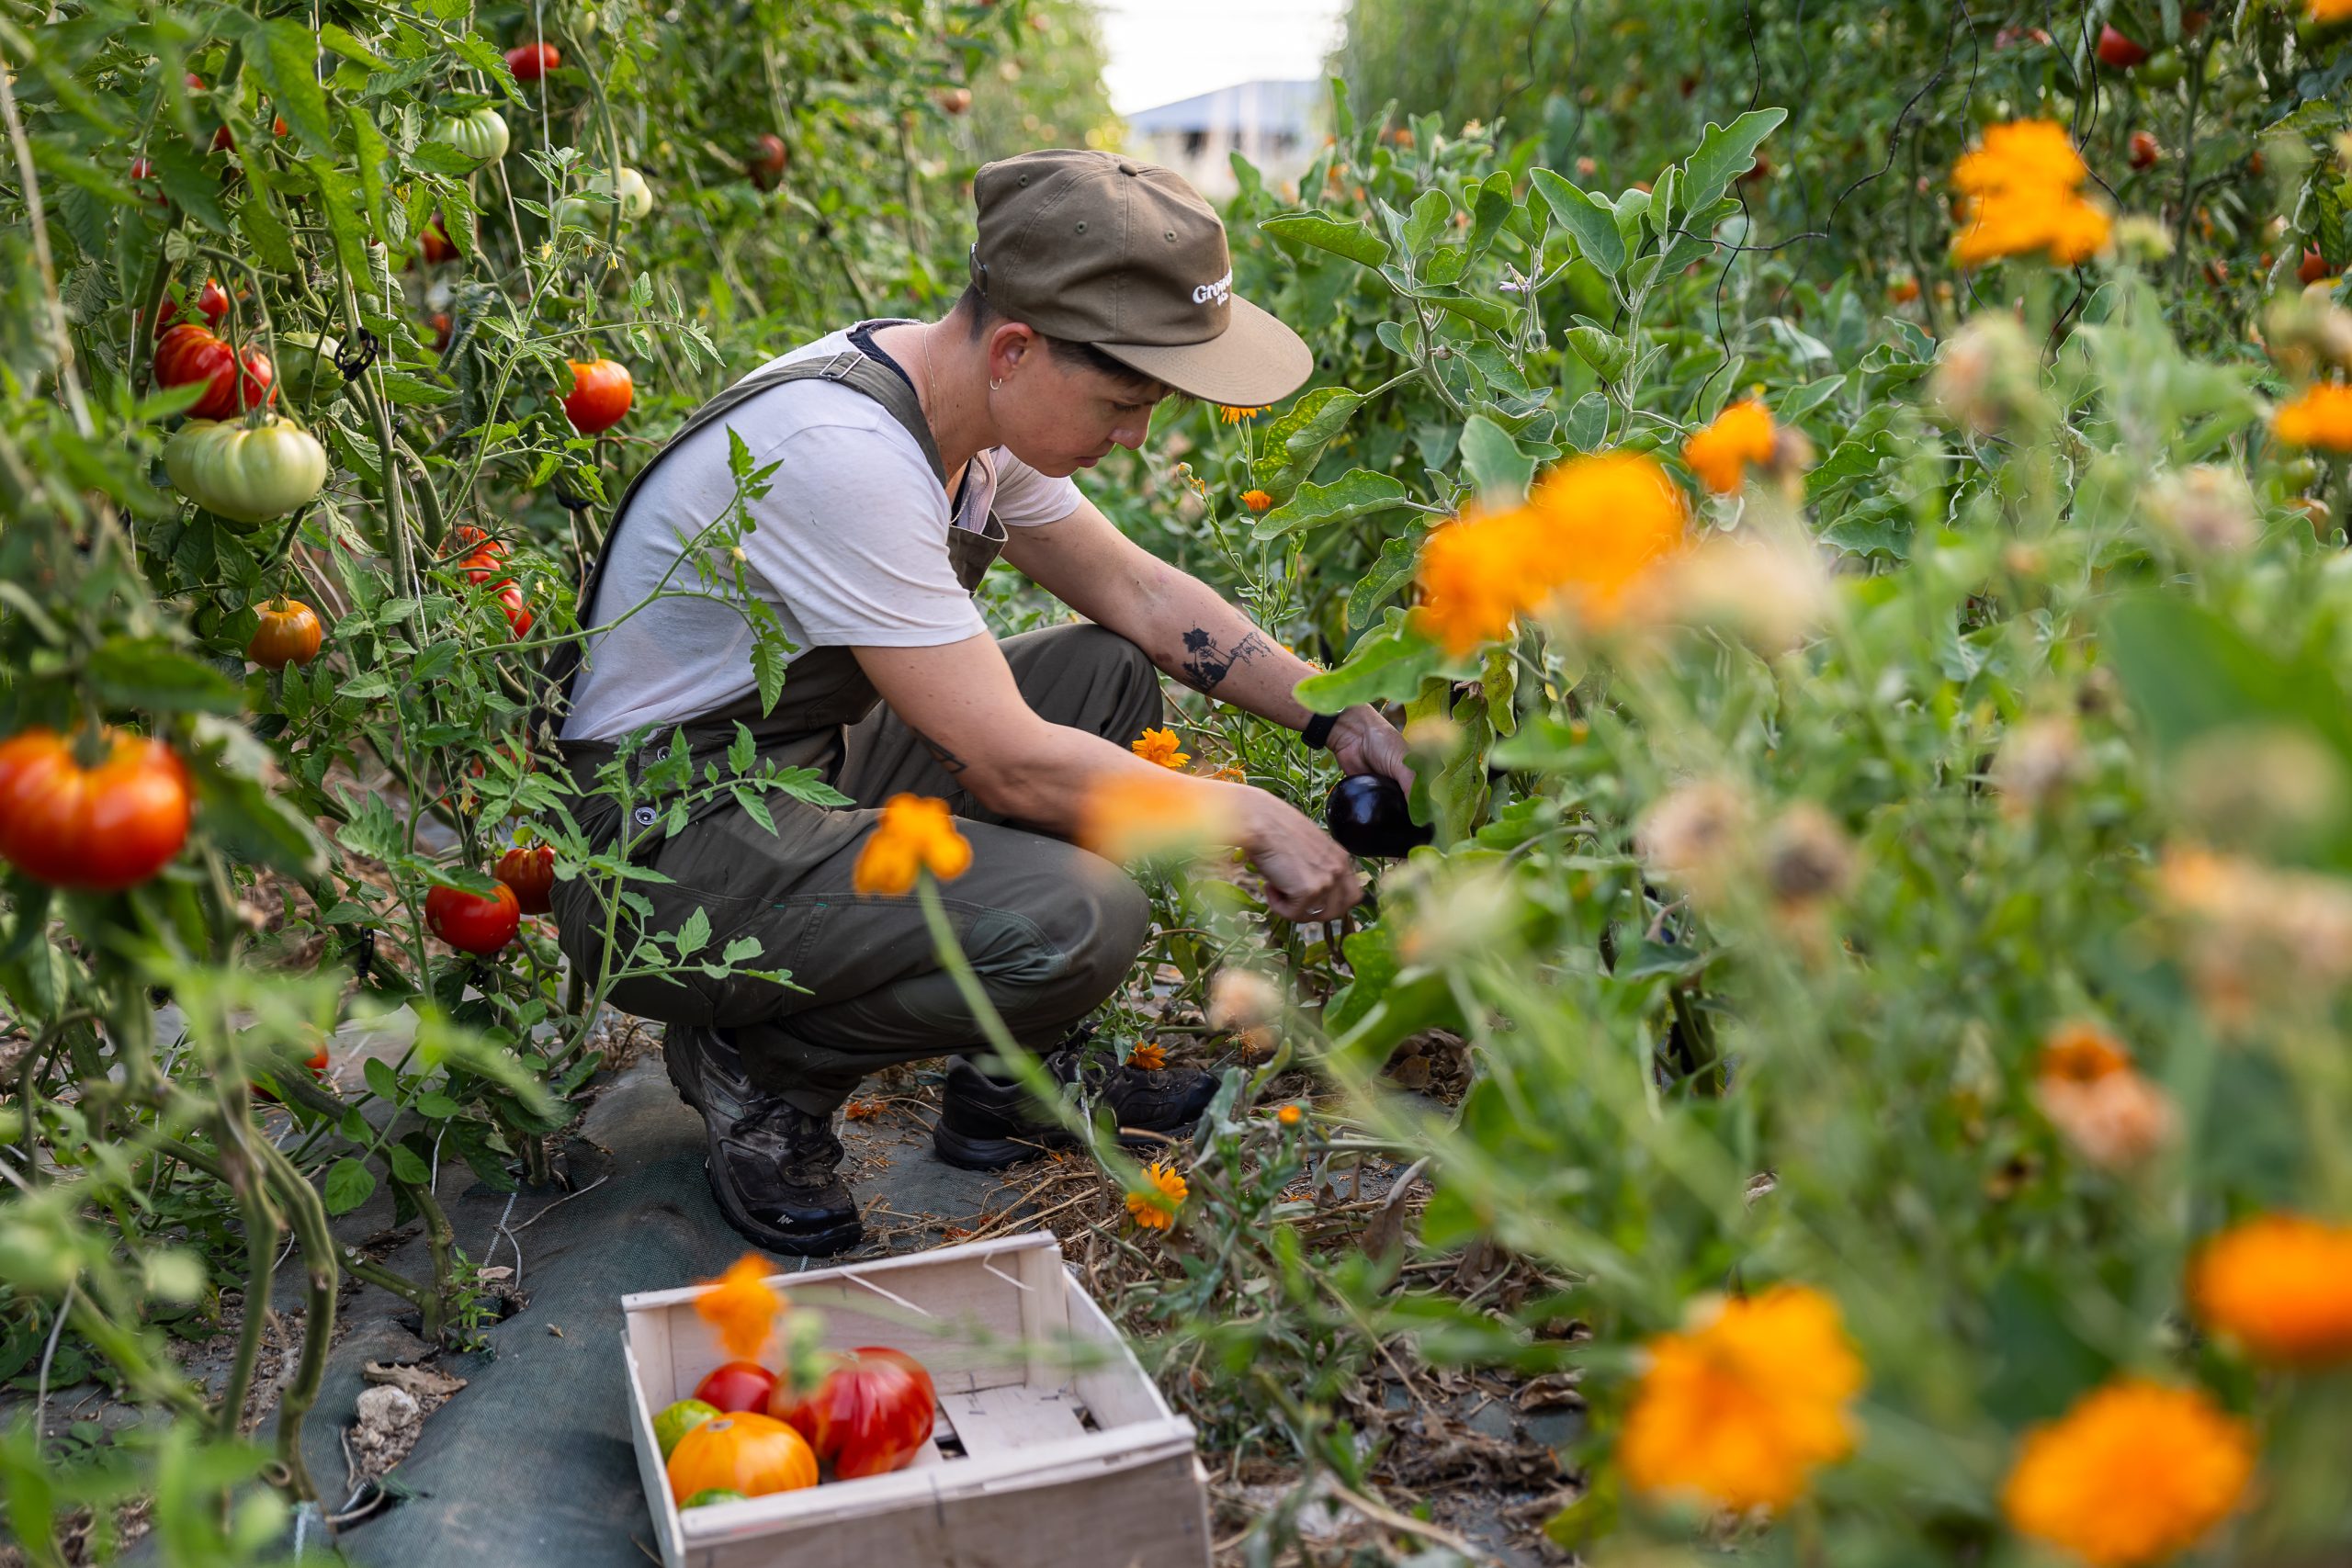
[(2321, 416), (1127, 819), (2281, 1286), (1739, 1411), (916, 833), (861, 1110), (742, 1307), (1159, 746), (1148, 1055), (1290, 1115), (1256, 500), (2021, 192), (1236, 415), (1474, 577), (2325, 12), (2134, 1474), (1154, 1210), (1720, 453), (2081, 1052)]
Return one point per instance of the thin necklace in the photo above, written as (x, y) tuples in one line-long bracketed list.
[(931, 394)]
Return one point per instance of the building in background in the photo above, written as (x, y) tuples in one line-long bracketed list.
[(1275, 125)]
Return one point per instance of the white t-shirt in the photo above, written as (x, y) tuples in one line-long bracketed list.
[(849, 549)]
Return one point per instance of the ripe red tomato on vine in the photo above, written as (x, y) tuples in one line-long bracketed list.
[(529, 870), (529, 62), (99, 828), (766, 164), (212, 300), (479, 923), (2119, 48), (2313, 267), (187, 355), (2145, 151), (601, 392)]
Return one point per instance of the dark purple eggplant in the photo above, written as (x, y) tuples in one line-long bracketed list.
[(1367, 815)]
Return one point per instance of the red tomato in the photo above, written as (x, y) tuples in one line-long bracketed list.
[(212, 300), (479, 923), (765, 165), (870, 1416), (441, 326), (142, 171), (745, 1452), (2119, 49), (435, 245), (288, 633), (1903, 290), (189, 354), (529, 870), (737, 1385), (96, 829), (529, 62), (600, 396), (2314, 268), (2145, 153)]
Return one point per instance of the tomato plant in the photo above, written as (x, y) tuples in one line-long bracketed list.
[(529, 62), (97, 827), (189, 355)]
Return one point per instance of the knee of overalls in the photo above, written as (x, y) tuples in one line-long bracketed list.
[(1075, 922)]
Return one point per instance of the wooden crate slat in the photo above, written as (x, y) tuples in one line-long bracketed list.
[(1018, 1415)]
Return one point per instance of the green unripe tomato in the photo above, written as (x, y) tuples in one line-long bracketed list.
[(479, 134), (2163, 69), (306, 368)]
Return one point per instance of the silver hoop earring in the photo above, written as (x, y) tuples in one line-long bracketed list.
[(996, 386)]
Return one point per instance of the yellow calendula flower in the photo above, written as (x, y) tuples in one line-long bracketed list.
[(1721, 453), (916, 833), (1236, 415), (2321, 416), (1155, 1209), (2134, 1474), (742, 1307), (2281, 1286), (1159, 746), (1290, 1115), (2021, 195), (1256, 500), (1593, 529), (1148, 1055), (1739, 1411), (1129, 818)]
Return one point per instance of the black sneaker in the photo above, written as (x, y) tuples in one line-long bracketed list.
[(987, 1123), (775, 1169)]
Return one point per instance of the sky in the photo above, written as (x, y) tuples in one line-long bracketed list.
[(1165, 49)]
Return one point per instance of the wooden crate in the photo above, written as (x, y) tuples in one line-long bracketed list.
[(1051, 1448)]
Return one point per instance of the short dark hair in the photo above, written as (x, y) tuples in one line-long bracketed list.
[(979, 315)]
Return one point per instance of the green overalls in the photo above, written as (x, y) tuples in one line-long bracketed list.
[(1051, 929)]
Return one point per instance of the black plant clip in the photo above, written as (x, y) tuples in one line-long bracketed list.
[(354, 357)]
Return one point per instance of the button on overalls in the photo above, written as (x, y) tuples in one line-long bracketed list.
[(1051, 929)]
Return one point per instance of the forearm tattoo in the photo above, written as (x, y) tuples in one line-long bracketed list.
[(1204, 665), (947, 760)]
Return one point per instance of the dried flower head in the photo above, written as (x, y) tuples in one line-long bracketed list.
[(1809, 859), (1987, 374), (2281, 1286), (2321, 417), (1240, 1000), (1767, 586), (1698, 834), (2084, 1083), (1154, 1205), (1720, 453), (742, 1307), (2020, 195), (2255, 784), (2259, 935), (2038, 759), (2134, 1474), (1160, 746), (2206, 507), (914, 833), (1738, 1411)]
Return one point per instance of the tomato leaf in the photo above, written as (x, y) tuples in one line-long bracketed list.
[(147, 673), (187, 181), (408, 1168), (285, 56), (375, 155), (349, 1185)]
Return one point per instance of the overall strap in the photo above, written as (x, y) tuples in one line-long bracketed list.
[(850, 368)]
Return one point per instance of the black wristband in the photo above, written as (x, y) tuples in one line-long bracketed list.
[(1318, 730)]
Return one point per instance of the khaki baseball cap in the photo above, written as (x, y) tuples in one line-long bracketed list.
[(1104, 249)]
